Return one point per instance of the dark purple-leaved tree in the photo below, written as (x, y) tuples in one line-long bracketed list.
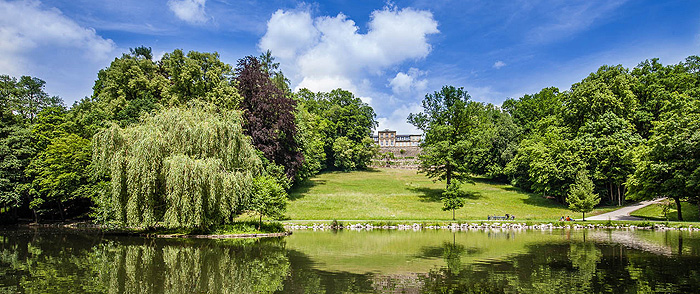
[(269, 116)]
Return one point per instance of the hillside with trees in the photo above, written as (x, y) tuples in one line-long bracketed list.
[(635, 134), (190, 141), (184, 141)]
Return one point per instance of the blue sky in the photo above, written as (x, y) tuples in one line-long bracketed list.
[(388, 53)]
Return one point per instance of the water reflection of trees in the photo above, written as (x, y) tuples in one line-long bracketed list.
[(577, 267), (33, 265), (64, 263)]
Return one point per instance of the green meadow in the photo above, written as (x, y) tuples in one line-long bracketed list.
[(397, 194), (656, 212)]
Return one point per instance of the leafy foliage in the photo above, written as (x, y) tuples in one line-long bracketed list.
[(334, 115), (268, 198), (186, 167), (449, 121), (135, 84), (269, 116), (26, 97), (16, 152), (309, 129), (452, 198), (668, 165), (581, 197)]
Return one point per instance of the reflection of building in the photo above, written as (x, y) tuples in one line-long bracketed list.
[(387, 138)]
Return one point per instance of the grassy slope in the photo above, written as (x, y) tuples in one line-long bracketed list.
[(655, 212), (394, 194)]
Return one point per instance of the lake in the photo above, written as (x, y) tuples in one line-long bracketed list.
[(377, 261)]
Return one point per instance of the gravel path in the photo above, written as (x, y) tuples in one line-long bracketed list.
[(624, 213)]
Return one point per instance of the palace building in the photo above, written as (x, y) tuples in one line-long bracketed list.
[(388, 138)]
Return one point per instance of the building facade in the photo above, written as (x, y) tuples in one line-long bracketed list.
[(389, 138)]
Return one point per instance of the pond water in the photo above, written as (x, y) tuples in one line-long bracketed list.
[(379, 261)]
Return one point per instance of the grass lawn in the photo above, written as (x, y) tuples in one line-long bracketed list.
[(395, 194), (655, 212)]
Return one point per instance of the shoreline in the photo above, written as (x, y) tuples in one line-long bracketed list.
[(83, 226), (225, 236), (470, 226), (367, 225)]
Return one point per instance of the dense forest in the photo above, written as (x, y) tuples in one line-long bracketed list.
[(190, 141), (184, 141), (619, 133)]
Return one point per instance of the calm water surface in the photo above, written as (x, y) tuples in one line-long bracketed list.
[(558, 261)]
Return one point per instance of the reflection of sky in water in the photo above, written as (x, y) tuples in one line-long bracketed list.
[(495, 261)]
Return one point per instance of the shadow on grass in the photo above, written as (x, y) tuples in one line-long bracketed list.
[(492, 182), (433, 194), (338, 171), (538, 200), (299, 190)]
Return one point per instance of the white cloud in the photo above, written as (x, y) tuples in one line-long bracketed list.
[(404, 83), (397, 121), (288, 33), (26, 27), (191, 11), (328, 52), (499, 64)]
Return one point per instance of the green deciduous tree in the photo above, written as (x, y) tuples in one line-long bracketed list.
[(606, 145), (527, 111), (16, 152), (581, 197), (452, 198), (132, 84), (61, 175), (343, 154), (668, 164), (450, 124), (185, 167), (268, 198), (309, 136), (198, 76), (497, 142), (30, 98), (340, 114), (607, 90)]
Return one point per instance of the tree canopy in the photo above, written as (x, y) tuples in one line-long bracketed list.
[(450, 123), (183, 166), (269, 116)]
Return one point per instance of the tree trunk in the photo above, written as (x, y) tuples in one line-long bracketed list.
[(260, 223), (612, 197), (36, 216), (60, 209), (678, 206), (448, 174), (584, 216), (620, 201), (453, 214)]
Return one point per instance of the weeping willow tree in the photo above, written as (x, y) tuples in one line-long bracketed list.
[(182, 167)]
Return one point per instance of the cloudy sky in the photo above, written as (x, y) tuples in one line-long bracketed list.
[(388, 53)]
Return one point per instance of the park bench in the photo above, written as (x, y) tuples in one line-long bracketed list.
[(498, 217)]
